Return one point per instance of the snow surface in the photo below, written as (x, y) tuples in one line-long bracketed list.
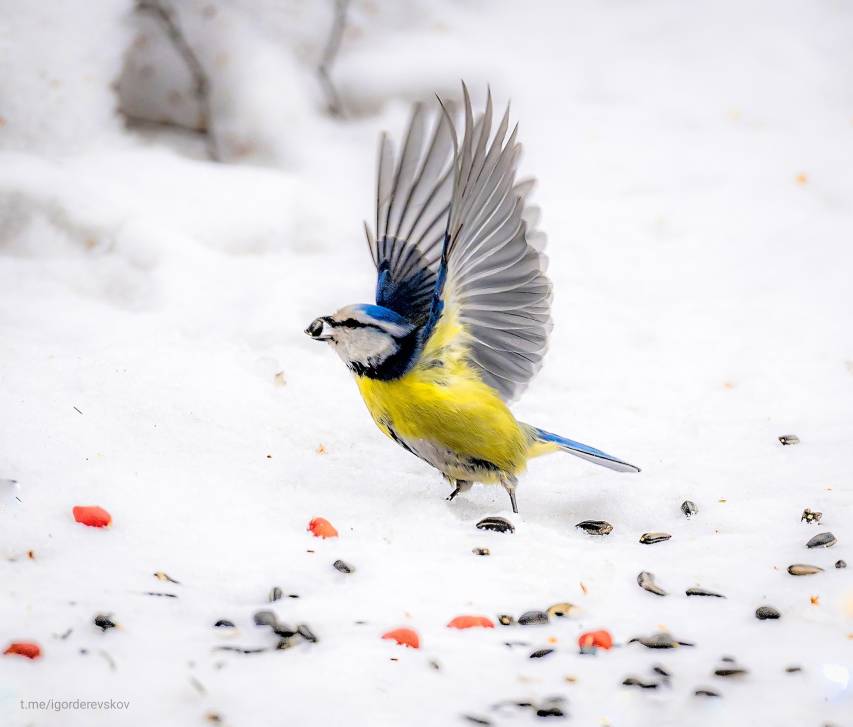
[(696, 179)]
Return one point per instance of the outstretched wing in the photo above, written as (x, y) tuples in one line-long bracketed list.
[(412, 203), (492, 274)]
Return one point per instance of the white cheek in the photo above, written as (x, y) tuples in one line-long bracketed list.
[(363, 346)]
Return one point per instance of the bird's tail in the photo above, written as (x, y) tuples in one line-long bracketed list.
[(544, 442)]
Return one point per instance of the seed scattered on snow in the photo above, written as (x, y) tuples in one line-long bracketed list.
[(504, 619), (224, 623), (539, 653), (240, 649), (632, 681), (646, 581), (811, 517), (533, 618), (92, 515), (788, 439), (822, 540), (343, 566), (103, 621), (474, 719), (793, 669), (592, 640), (276, 594), (595, 527), (319, 527), (697, 591), (29, 649), (306, 633), (265, 618), (161, 576), (404, 637), (688, 507), (661, 671), (498, 524), (660, 640), (801, 569), (160, 594), (704, 692), (481, 551), (561, 610), (284, 630), (730, 672), (651, 538), (840, 563), (468, 622), (764, 613)]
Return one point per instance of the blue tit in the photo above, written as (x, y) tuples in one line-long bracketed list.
[(463, 306)]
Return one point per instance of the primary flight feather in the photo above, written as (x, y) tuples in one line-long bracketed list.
[(463, 306)]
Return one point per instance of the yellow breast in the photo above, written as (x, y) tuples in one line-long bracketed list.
[(443, 400)]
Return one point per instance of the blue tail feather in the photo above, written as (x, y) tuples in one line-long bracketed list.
[(584, 451)]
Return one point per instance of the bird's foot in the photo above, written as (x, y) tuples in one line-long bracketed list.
[(460, 486)]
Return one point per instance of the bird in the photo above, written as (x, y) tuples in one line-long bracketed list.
[(462, 311)]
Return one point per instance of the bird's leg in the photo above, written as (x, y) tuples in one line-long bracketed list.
[(509, 482), (460, 487)]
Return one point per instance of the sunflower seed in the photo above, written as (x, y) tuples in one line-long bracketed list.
[(822, 540), (763, 613), (688, 507), (811, 517), (474, 719), (343, 567), (276, 594), (647, 583), (550, 712), (801, 569), (161, 594), (284, 643), (240, 649), (265, 618), (504, 619), (793, 669), (481, 551), (661, 671), (595, 527), (696, 591), (651, 538), (787, 439), (498, 524), (306, 633), (636, 682), (703, 692), (283, 630), (104, 622), (660, 640), (161, 576), (840, 563), (733, 672), (533, 618), (539, 653), (224, 623), (561, 610)]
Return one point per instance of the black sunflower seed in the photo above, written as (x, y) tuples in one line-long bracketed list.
[(822, 540), (104, 622), (539, 653), (788, 439), (306, 633), (646, 581), (764, 613), (636, 682), (498, 524), (696, 591), (224, 623), (343, 566), (840, 563), (532, 618), (652, 538), (688, 507), (595, 527)]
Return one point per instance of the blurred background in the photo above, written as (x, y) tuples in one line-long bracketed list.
[(182, 189)]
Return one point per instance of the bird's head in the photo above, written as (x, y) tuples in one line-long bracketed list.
[(371, 340)]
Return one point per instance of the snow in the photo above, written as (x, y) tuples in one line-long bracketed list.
[(695, 176)]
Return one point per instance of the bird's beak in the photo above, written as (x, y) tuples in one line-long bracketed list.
[(318, 330)]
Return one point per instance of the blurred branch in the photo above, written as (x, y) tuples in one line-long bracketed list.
[(201, 84), (333, 100)]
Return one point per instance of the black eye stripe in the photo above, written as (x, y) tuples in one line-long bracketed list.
[(353, 323)]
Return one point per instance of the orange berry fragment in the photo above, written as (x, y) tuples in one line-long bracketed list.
[(322, 528), (405, 637), (24, 648), (468, 622), (92, 515), (595, 640)]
